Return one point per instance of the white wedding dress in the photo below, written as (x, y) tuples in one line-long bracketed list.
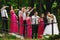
[(48, 29)]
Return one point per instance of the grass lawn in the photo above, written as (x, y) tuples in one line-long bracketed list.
[(9, 37)]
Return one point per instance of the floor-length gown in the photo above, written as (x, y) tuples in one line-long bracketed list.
[(55, 27), (41, 28), (29, 27), (21, 25), (48, 29), (13, 22)]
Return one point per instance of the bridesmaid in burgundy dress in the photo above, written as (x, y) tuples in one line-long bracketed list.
[(29, 27), (13, 22), (21, 22), (41, 26)]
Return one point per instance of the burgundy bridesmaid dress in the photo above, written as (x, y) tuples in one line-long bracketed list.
[(13, 22), (29, 27), (41, 28), (21, 26)]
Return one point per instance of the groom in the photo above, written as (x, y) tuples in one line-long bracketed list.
[(46, 20)]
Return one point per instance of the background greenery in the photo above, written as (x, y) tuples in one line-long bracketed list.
[(40, 5)]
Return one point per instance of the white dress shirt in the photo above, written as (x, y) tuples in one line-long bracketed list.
[(20, 13), (35, 19), (24, 16), (4, 13)]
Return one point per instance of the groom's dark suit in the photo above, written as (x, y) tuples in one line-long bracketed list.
[(45, 21)]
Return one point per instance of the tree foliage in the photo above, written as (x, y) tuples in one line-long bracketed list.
[(40, 5)]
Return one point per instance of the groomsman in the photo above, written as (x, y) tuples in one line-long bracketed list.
[(35, 23), (25, 11), (4, 16), (24, 22)]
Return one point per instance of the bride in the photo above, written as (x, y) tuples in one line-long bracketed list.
[(48, 29)]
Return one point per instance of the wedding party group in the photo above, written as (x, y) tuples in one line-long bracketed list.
[(28, 24)]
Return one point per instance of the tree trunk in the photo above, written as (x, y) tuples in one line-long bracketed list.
[(39, 6), (31, 3), (48, 4)]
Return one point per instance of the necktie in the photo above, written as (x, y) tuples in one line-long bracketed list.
[(35, 19)]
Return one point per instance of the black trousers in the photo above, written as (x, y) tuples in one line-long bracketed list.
[(44, 26), (25, 28), (34, 30), (4, 25)]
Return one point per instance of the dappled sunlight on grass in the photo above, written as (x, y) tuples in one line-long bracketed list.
[(10, 37)]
